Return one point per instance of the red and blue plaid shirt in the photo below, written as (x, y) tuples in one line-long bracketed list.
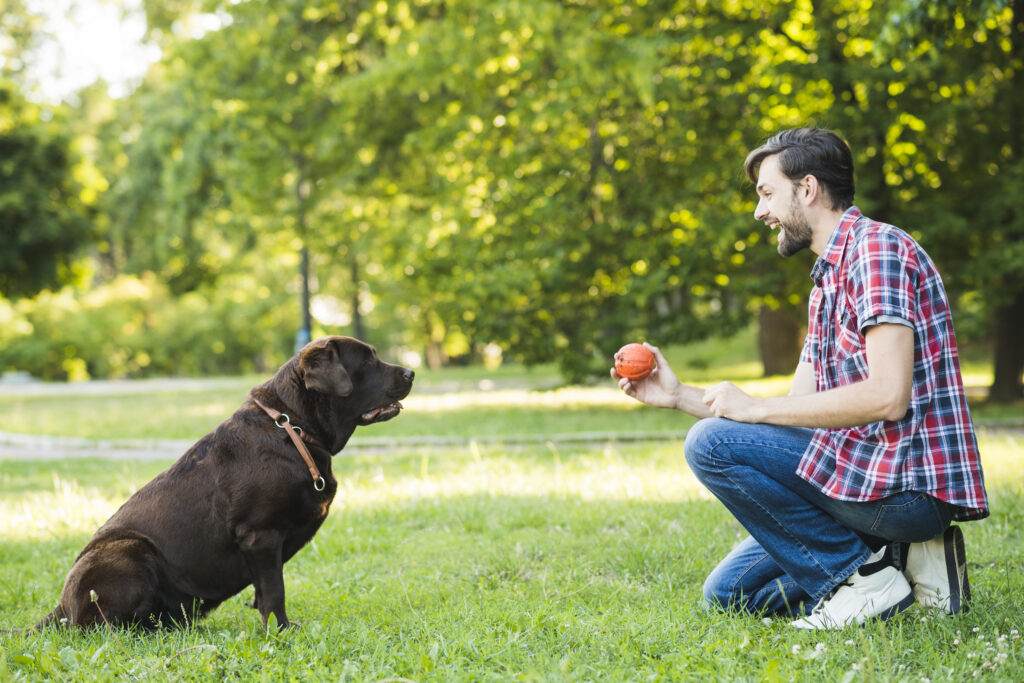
[(871, 272)]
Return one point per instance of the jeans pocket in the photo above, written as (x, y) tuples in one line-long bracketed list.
[(909, 517)]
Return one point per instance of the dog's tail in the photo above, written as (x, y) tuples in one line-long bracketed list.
[(56, 617)]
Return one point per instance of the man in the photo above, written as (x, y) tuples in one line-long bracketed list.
[(848, 485)]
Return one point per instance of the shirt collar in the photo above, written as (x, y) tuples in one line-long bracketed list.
[(833, 252)]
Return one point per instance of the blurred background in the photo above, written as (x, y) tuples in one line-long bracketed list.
[(194, 187)]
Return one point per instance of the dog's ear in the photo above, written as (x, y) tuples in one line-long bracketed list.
[(321, 369)]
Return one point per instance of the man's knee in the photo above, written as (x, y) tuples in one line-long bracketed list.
[(716, 594), (774, 598), (701, 439)]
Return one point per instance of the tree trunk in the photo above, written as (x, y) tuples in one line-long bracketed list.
[(1008, 343), (357, 318), (305, 333), (779, 339), (1008, 328)]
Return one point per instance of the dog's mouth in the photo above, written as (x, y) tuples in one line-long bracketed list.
[(382, 414)]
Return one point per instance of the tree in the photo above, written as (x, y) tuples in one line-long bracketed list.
[(42, 220), (550, 161), (971, 96), (552, 177), (19, 32)]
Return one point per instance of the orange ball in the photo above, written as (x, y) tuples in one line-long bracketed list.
[(634, 361)]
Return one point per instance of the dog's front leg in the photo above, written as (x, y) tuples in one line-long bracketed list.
[(262, 552)]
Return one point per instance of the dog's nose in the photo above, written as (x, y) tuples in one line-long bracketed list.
[(408, 375)]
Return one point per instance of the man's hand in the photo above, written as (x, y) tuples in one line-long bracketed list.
[(658, 389), (728, 400), (662, 389)]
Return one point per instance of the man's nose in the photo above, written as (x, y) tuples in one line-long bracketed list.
[(761, 211)]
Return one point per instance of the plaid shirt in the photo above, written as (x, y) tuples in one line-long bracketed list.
[(870, 271)]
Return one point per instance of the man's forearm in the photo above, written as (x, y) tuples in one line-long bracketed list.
[(690, 400), (855, 404), (883, 395)]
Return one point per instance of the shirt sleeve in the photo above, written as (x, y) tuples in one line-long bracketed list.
[(884, 277), (879, 319)]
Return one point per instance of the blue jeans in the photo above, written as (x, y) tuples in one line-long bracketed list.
[(802, 543)]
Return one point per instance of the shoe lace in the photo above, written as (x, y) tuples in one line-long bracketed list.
[(828, 596)]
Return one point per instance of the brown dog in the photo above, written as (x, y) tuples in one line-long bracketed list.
[(239, 503)]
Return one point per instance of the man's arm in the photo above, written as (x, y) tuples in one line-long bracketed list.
[(804, 381), (883, 395)]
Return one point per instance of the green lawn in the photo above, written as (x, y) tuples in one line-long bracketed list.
[(489, 563), (490, 557)]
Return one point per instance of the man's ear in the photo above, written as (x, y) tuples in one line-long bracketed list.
[(322, 371), (809, 189)]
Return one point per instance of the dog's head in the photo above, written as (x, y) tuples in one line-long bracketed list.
[(349, 372), (339, 383)]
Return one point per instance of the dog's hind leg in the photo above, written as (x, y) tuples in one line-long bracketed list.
[(113, 582)]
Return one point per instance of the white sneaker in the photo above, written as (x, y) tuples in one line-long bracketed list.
[(937, 569), (881, 594)]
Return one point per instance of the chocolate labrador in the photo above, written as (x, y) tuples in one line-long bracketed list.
[(240, 502)]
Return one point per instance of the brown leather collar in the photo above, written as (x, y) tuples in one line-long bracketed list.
[(297, 435)]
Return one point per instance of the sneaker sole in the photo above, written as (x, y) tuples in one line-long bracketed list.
[(902, 606)]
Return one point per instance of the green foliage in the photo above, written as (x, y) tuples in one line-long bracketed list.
[(135, 327), (20, 28), (554, 178), (42, 219), (542, 180)]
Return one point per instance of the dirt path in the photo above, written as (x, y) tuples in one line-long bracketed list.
[(15, 446), (27, 447)]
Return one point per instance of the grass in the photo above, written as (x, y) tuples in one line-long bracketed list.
[(455, 403), (489, 563), (483, 559)]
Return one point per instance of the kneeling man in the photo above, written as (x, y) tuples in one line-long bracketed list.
[(848, 485)]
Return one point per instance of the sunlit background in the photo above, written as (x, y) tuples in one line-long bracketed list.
[(92, 39)]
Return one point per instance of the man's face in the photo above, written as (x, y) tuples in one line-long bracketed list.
[(779, 208)]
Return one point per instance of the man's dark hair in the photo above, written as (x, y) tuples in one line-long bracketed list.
[(810, 151)]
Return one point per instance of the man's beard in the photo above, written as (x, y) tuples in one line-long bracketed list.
[(794, 234)]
